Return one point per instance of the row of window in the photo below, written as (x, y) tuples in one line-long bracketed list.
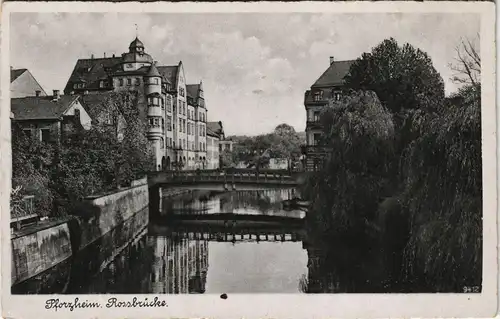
[(318, 96), (157, 122), (44, 134)]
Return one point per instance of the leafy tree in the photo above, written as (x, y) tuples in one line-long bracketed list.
[(359, 133), (403, 77), (444, 199), (30, 169), (102, 159)]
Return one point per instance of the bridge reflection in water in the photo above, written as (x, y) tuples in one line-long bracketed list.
[(177, 256)]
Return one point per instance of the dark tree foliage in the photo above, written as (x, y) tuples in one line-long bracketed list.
[(101, 159), (444, 197), (359, 135), (30, 169), (283, 142), (403, 77)]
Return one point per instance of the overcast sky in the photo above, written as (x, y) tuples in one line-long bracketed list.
[(255, 67)]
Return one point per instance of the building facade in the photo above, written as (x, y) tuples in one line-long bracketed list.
[(175, 115), (23, 84), (49, 118), (327, 87), (213, 155)]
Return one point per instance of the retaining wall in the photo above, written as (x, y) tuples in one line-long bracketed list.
[(120, 215)]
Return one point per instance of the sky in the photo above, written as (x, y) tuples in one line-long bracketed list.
[(255, 67)]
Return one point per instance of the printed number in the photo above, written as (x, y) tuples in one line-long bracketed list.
[(473, 289)]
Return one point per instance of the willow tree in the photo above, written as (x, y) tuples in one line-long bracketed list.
[(444, 198), (358, 135)]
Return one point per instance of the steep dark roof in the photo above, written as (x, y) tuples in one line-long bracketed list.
[(153, 71), (169, 72), (136, 44), (212, 133), (334, 75), (91, 71), (15, 73), (37, 108), (192, 90), (215, 129)]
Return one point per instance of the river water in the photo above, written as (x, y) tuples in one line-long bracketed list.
[(173, 259)]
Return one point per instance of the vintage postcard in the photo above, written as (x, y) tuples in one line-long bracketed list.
[(244, 160)]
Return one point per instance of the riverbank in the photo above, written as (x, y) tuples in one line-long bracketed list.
[(109, 220)]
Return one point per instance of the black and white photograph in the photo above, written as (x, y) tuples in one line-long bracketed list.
[(287, 153)]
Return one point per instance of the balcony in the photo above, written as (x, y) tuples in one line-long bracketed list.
[(22, 210), (314, 149), (313, 124)]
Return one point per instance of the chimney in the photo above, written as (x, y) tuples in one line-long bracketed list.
[(92, 56), (104, 54), (113, 55), (37, 93), (332, 59), (56, 95)]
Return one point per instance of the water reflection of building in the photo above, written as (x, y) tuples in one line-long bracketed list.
[(179, 266)]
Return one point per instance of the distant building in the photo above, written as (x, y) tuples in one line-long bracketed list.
[(327, 87), (213, 155), (23, 83), (49, 118), (175, 111), (216, 139)]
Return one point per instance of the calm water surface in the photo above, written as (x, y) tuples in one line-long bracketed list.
[(169, 259)]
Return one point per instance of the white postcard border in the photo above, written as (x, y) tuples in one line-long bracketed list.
[(276, 305)]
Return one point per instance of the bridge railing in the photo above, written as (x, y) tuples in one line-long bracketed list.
[(227, 176)]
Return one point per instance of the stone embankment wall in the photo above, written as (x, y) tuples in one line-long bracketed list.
[(36, 250), (120, 215)]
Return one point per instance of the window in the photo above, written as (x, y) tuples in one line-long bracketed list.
[(101, 84), (201, 146), (169, 123), (180, 106), (189, 129), (77, 113), (317, 138), (337, 96), (169, 103), (156, 122), (180, 143), (129, 81), (45, 135), (162, 143), (317, 96), (162, 124), (316, 116), (121, 82), (157, 81), (181, 91), (184, 143), (180, 125), (162, 104)]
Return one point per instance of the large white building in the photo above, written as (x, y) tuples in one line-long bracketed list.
[(175, 111)]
